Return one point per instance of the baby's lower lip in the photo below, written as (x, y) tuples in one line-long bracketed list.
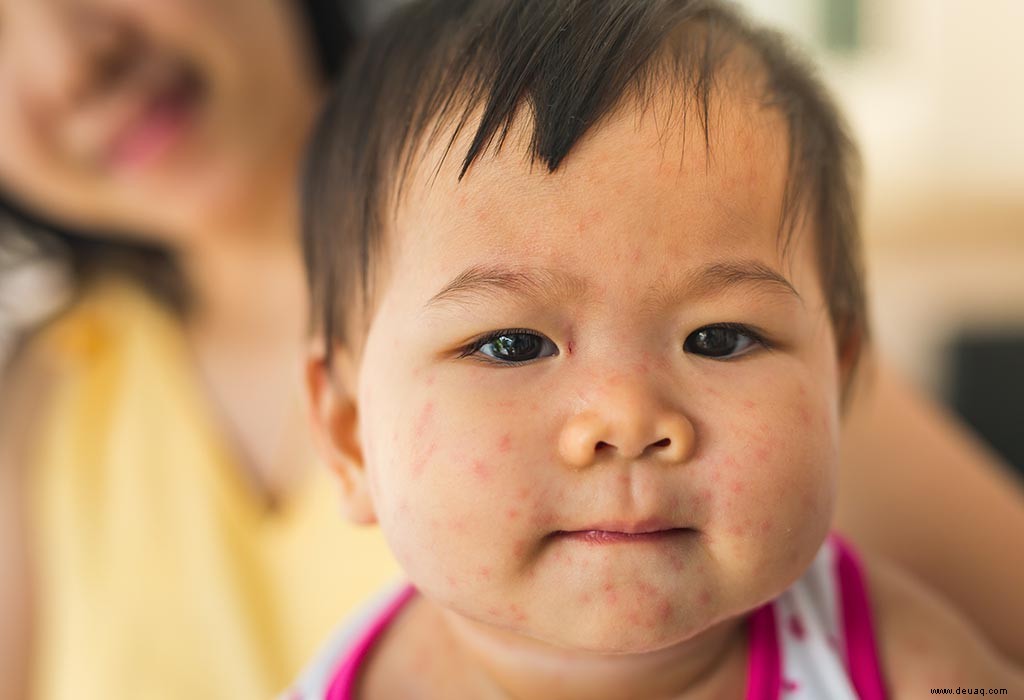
[(603, 537)]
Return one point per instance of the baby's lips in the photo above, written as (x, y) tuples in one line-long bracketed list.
[(642, 526)]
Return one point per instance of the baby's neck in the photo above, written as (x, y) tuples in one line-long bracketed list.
[(438, 649)]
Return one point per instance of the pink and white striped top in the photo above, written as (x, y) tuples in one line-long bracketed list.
[(814, 642)]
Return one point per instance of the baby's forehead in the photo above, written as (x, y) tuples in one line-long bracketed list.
[(657, 158)]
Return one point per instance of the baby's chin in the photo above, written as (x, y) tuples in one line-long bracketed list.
[(628, 628)]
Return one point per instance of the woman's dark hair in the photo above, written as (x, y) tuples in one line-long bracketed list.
[(331, 33)]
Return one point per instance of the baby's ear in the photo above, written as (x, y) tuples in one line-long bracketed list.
[(334, 418)]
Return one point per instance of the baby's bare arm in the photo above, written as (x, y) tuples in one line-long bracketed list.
[(926, 644), (917, 488)]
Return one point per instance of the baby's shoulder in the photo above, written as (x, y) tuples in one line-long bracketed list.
[(926, 644)]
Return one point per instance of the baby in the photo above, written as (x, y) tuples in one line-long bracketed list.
[(586, 299)]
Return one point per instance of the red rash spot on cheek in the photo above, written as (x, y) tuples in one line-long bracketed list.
[(704, 598), (516, 613), (736, 487), (505, 443), (666, 610), (423, 421), (512, 513), (484, 573), (646, 589), (480, 470), (420, 464), (741, 529), (749, 404)]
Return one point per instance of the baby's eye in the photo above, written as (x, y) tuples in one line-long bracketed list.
[(513, 346), (722, 341)]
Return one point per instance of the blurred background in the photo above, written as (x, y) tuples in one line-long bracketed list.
[(933, 92)]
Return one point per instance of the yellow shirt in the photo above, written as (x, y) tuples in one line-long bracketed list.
[(158, 572)]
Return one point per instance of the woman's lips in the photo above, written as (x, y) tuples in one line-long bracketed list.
[(156, 128)]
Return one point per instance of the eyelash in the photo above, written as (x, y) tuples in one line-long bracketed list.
[(757, 336), (474, 346)]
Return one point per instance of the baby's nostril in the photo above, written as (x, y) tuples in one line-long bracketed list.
[(664, 442), (601, 445)]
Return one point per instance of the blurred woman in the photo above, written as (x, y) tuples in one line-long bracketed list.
[(160, 509), (170, 505)]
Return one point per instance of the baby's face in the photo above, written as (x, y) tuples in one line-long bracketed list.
[(599, 407)]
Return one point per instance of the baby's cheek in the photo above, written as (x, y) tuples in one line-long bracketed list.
[(773, 488)]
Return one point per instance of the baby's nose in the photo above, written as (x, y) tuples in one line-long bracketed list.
[(628, 424)]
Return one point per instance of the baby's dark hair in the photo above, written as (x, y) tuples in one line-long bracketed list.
[(438, 66)]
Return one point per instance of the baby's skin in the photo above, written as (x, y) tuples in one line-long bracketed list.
[(590, 502)]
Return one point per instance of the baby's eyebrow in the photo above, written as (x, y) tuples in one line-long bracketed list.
[(480, 283), (717, 277)]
